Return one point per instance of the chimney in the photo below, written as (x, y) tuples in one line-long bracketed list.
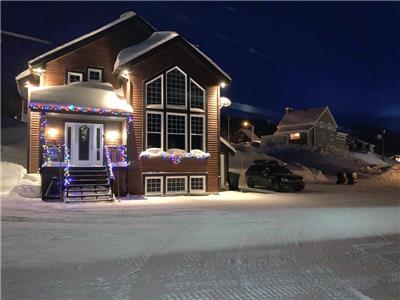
[(288, 110)]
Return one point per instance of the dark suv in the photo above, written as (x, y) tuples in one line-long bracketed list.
[(269, 174)]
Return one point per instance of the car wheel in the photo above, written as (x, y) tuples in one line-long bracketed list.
[(250, 183), (276, 187)]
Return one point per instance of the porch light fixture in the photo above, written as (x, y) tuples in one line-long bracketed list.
[(27, 84), (38, 71), (225, 102), (51, 132), (222, 84), (112, 135), (125, 74)]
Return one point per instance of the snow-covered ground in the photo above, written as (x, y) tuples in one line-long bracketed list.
[(327, 242)]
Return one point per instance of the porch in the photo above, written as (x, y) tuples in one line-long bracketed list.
[(82, 153)]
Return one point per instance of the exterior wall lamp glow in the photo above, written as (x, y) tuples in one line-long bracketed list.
[(52, 132), (112, 135), (222, 84)]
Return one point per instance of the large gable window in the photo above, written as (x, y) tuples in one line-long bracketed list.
[(74, 77), (154, 92), (176, 131), (197, 96), (197, 132), (154, 125), (176, 88)]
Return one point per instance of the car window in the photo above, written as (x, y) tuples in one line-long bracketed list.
[(279, 169), (256, 168)]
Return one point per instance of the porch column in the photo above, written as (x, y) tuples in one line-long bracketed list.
[(34, 143)]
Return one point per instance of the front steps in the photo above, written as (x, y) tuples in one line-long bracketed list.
[(88, 184)]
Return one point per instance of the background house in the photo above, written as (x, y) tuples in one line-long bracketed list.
[(315, 127), (243, 135)]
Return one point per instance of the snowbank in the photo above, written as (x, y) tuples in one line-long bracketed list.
[(309, 175), (391, 175), (14, 141), (329, 161), (10, 174)]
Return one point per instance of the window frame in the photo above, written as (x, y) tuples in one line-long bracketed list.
[(162, 128), (100, 71), (176, 192), (204, 131), (161, 185), (159, 106), (204, 184), (183, 107), (196, 109), (185, 115), (79, 74)]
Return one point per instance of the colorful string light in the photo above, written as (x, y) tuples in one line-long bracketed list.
[(176, 159), (77, 109), (109, 163)]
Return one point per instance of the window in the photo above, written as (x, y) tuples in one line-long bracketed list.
[(154, 185), (197, 132), (95, 75), (198, 184), (176, 131), (154, 92), (154, 125), (176, 184), (176, 88), (74, 77), (197, 96), (295, 136)]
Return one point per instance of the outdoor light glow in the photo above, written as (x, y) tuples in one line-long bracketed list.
[(125, 74), (222, 84), (246, 123), (51, 132), (112, 135), (27, 84)]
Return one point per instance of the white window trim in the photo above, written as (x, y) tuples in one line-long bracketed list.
[(174, 192), (94, 70), (162, 127), (204, 184), (74, 74), (204, 131), (185, 134), (190, 97), (161, 183), (162, 93), (166, 91)]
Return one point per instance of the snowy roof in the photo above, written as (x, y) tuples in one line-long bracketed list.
[(81, 94), (227, 144), (23, 74), (290, 129), (157, 39), (125, 16), (308, 116), (247, 132)]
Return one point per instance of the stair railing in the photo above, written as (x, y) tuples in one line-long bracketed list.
[(67, 179), (109, 169)]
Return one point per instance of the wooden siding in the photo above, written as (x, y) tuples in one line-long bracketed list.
[(324, 136), (168, 57), (34, 143), (100, 53)]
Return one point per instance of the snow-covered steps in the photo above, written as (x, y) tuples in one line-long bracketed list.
[(88, 184)]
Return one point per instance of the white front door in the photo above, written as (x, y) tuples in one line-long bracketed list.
[(85, 141)]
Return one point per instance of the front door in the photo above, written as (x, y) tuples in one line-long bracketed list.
[(85, 141)]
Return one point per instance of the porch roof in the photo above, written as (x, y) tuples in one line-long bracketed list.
[(80, 97)]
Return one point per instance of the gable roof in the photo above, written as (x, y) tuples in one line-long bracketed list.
[(89, 36), (227, 145), (152, 43), (247, 132), (301, 117), (130, 53)]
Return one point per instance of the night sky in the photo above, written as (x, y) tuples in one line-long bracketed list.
[(345, 55)]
